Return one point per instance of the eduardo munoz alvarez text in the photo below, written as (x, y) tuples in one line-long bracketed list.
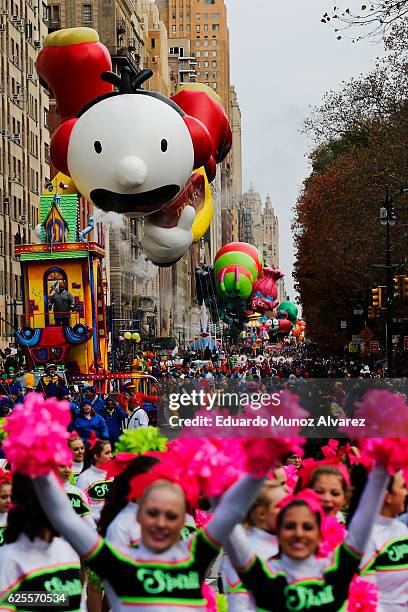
[(218, 420)]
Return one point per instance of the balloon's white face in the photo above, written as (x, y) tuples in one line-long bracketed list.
[(130, 153)]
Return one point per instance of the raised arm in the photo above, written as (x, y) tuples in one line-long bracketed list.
[(233, 506), (368, 508), (63, 517), (239, 549)]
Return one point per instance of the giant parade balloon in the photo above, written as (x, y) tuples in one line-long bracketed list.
[(131, 150), (237, 266)]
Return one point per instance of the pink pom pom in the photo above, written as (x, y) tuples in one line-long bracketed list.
[(363, 596), (333, 534), (209, 595), (331, 449), (202, 518), (385, 414), (37, 435), (292, 477), (265, 452), (390, 452), (217, 464)]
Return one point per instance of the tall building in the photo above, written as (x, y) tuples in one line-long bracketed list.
[(24, 144), (259, 225), (204, 23), (271, 234), (251, 221)]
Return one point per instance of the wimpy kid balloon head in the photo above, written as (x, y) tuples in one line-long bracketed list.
[(130, 150)]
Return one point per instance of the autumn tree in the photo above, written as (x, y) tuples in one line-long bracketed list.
[(361, 146)]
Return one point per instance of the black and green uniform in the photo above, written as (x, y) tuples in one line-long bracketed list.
[(310, 584), (385, 563), (171, 579), (138, 578), (38, 566), (280, 585)]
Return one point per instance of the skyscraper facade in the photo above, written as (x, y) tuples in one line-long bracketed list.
[(204, 23)]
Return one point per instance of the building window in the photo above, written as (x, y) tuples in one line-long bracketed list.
[(45, 11), (205, 43), (173, 28), (214, 54), (214, 85), (197, 53), (205, 53), (188, 27), (209, 1), (206, 76), (215, 43), (153, 43), (215, 26), (206, 27), (215, 15), (55, 13), (87, 12), (198, 43), (214, 75), (197, 16), (205, 64), (214, 64), (46, 117), (181, 27), (197, 27)]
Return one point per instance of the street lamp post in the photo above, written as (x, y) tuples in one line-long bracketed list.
[(388, 218)]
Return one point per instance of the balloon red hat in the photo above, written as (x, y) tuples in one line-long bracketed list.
[(71, 64)]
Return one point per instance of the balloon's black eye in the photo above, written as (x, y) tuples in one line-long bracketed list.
[(97, 146), (163, 145)]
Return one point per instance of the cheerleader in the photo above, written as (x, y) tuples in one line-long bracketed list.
[(118, 517), (260, 524), (77, 447), (163, 572), (34, 558), (93, 479), (5, 500), (331, 482), (385, 561), (299, 580), (78, 498)]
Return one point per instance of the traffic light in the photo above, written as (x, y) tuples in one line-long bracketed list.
[(405, 287), (377, 297), (397, 280), (372, 313)]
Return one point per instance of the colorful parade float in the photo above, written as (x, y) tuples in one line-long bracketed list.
[(64, 255), (79, 346)]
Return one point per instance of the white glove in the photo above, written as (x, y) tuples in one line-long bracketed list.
[(164, 245)]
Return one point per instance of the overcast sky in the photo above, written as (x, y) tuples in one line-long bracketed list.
[(283, 59)]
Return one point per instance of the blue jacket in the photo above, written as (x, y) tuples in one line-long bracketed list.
[(114, 421), (83, 427), (98, 404)]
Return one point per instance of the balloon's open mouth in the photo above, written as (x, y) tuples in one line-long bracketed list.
[(139, 203)]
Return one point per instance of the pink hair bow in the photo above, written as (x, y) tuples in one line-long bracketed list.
[(92, 440), (308, 496)]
